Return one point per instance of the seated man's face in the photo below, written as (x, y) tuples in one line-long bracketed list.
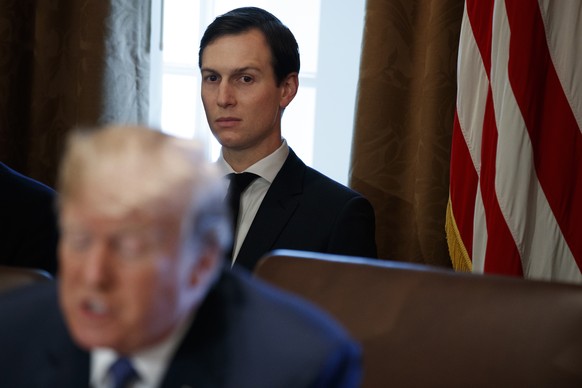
[(121, 276), (241, 98)]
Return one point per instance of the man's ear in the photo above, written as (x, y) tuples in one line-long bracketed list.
[(207, 265), (289, 88)]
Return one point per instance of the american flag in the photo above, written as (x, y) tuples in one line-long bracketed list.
[(515, 205)]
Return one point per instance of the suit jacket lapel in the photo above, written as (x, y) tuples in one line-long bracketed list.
[(275, 211), (195, 363), (203, 357), (68, 365)]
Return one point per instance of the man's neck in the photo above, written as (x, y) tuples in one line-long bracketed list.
[(240, 160)]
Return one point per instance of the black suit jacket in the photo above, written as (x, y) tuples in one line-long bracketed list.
[(245, 334), (305, 210), (28, 222)]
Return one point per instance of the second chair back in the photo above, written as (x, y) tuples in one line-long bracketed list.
[(13, 277), (421, 326)]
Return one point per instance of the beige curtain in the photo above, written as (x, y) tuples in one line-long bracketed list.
[(404, 120), (66, 63)]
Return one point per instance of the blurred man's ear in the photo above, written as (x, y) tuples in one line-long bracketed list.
[(204, 270), (289, 87)]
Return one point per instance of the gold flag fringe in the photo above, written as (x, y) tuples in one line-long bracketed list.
[(457, 251)]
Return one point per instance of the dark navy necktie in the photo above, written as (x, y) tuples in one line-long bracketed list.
[(122, 373), (238, 184)]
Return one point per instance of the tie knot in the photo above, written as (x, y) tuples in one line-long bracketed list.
[(242, 180), (122, 372)]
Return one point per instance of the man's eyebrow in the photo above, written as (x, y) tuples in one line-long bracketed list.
[(245, 69), (234, 71)]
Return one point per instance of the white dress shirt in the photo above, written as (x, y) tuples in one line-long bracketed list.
[(251, 199), (150, 364)]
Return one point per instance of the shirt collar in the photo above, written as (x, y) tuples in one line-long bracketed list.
[(267, 168), (150, 363)]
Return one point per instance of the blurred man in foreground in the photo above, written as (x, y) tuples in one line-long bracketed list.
[(142, 299)]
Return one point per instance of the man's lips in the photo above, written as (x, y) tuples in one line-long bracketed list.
[(94, 307), (227, 122)]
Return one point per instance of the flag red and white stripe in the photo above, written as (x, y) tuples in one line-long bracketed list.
[(515, 205)]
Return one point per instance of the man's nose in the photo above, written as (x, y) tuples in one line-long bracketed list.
[(97, 270), (226, 95)]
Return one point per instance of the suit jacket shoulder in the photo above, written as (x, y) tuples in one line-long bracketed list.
[(247, 334), (28, 231), (36, 349), (305, 210)]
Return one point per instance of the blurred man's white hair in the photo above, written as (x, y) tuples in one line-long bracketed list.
[(123, 169)]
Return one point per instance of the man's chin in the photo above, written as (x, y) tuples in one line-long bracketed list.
[(92, 339), (227, 137)]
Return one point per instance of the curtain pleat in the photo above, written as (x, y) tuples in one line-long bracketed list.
[(67, 63), (404, 120)]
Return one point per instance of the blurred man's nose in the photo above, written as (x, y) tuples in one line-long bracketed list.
[(98, 265)]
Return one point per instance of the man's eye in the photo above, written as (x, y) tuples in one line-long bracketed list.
[(130, 247), (78, 241), (246, 79), (211, 78)]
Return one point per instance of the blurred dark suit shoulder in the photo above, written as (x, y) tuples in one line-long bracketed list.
[(28, 222)]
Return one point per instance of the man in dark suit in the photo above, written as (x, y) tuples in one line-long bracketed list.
[(28, 222), (249, 63), (142, 294)]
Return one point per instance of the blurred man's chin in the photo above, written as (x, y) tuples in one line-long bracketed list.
[(89, 340)]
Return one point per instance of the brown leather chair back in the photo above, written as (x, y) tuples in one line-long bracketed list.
[(421, 326), (13, 277)]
